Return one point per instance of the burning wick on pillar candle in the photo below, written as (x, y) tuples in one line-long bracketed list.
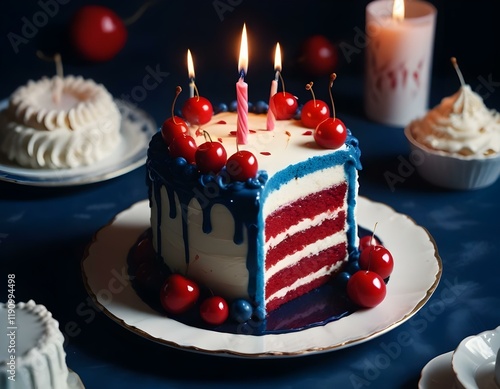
[(242, 92), (57, 82), (398, 10), (274, 88), (191, 74)]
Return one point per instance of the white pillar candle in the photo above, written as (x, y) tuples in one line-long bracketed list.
[(398, 60)]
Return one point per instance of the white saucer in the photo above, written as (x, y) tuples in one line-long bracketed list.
[(474, 360), (438, 374), (136, 130)]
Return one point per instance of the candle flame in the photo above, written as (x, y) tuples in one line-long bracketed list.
[(398, 10), (243, 59), (277, 58), (190, 64)]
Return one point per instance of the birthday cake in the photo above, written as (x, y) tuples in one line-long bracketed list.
[(59, 123), (265, 239), (31, 349)]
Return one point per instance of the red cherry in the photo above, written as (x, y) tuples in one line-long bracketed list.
[(143, 252), (197, 110), (178, 294), (183, 146), (330, 133), (318, 55), (172, 127), (366, 288), (314, 112), (242, 165), (214, 310), (97, 33), (284, 105), (367, 240), (210, 157), (378, 259)]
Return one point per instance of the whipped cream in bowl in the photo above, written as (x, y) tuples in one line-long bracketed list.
[(457, 143), (461, 124)]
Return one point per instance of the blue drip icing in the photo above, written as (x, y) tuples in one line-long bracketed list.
[(242, 199)]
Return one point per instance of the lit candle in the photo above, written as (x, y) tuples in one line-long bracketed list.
[(242, 92), (190, 73), (274, 87), (399, 49)]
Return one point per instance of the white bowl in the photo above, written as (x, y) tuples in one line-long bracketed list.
[(453, 171), (474, 361)]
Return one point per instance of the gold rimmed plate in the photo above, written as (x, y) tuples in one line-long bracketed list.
[(416, 274)]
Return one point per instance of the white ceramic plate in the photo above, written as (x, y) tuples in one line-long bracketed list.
[(416, 274), (474, 360), (136, 130), (438, 374)]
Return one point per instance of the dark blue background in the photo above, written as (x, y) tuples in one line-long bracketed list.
[(44, 231)]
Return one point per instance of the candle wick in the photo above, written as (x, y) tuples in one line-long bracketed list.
[(282, 82), (277, 75), (242, 74), (457, 69), (196, 91)]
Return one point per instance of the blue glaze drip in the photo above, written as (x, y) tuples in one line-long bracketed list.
[(242, 199)]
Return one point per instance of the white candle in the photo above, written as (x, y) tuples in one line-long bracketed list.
[(400, 41), (242, 92), (274, 87), (191, 74)]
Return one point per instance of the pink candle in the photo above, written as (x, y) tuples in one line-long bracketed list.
[(270, 115), (274, 88), (242, 110), (242, 92)]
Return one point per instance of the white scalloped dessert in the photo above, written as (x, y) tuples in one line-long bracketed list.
[(31, 349), (59, 123), (461, 124)]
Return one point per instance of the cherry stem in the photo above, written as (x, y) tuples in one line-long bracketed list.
[(178, 91), (457, 69), (55, 58), (282, 82), (333, 76), (207, 134), (132, 19), (371, 240), (310, 87)]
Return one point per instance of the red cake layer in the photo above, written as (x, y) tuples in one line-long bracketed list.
[(304, 267), (298, 241), (306, 208)]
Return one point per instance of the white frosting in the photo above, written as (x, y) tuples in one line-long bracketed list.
[(39, 353), (460, 124), (59, 123), (223, 267)]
